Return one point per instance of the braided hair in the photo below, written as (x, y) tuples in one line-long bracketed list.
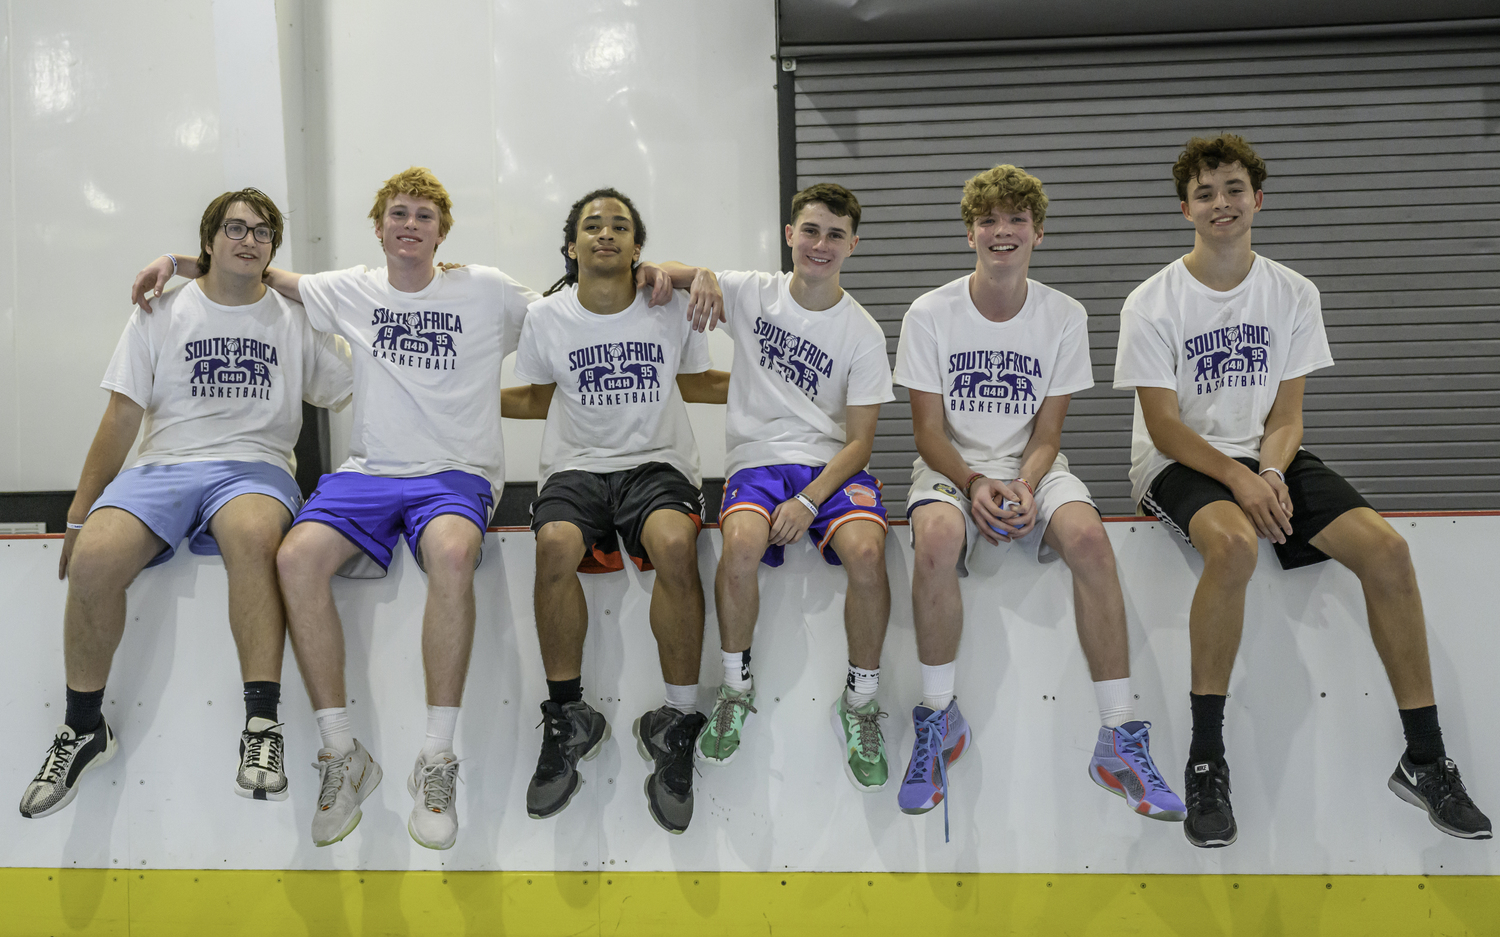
[(570, 233)]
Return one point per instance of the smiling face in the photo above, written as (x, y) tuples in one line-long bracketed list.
[(1003, 238), (820, 241), (604, 242), (1222, 202), (408, 230), (246, 257)]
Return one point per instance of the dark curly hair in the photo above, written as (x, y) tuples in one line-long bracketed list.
[(1203, 154), (218, 210), (570, 233)]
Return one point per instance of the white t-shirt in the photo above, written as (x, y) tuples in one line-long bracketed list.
[(993, 375), (1225, 354), (225, 382), (616, 405), (426, 366), (795, 371)]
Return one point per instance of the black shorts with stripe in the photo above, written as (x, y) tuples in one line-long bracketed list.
[(615, 504), (1319, 497)]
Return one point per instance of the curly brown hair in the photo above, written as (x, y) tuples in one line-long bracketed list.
[(1004, 186), (1204, 154), (417, 182), (218, 210)]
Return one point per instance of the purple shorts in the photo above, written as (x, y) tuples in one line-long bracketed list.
[(762, 488), (373, 510), (179, 500)]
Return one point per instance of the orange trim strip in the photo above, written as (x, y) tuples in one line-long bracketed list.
[(852, 516), (744, 506)]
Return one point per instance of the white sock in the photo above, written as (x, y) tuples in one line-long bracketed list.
[(1116, 704), (684, 699), (333, 726), (861, 686), (737, 669), (937, 685), (441, 721)]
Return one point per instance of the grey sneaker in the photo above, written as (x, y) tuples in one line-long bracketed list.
[(667, 737), (343, 784), (570, 732), (434, 817), (261, 775), (720, 740), (69, 759)]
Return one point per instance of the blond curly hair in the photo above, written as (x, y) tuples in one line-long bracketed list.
[(1004, 186)]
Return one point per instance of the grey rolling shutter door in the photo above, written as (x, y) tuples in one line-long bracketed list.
[(1384, 190)]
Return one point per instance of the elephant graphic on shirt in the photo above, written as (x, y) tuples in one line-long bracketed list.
[(260, 372), (646, 375), (389, 335), (1021, 387), (771, 355), (966, 383), (440, 343), (590, 380), (800, 373), (1256, 357), (1211, 365), (206, 369)]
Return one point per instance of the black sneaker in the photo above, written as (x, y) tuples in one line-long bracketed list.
[(570, 732), (1210, 818), (69, 758), (668, 737), (1438, 789)]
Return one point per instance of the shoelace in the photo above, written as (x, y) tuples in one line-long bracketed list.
[(330, 779), (1212, 786), (437, 780), (724, 712), (929, 750), (679, 739), (1137, 747), (1443, 785), (262, 750), (557, 731), (59, 755), (868, 725)]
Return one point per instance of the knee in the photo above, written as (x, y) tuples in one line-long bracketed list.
[(742, 551), (1387, 557), (296, 563), (864, 560), (1230, 552), (257, 542), (937, 542), (93, 571), (675, 558), (450, 554), (559, 550), (1089, 550)]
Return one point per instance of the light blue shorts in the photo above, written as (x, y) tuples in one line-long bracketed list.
[(178, 501)]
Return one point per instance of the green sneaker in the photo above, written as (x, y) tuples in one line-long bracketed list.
[(720, 740), (864, 747)]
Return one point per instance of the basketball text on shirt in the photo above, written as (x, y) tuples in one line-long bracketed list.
[(615, 373), (416, 339), (795, 358), (993, 382), (1232, 356), (230, 367)]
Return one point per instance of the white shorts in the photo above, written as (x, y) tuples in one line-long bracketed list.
[(1058, 487)]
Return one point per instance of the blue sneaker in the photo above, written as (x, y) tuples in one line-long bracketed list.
[(942, 738), (1122, 765)]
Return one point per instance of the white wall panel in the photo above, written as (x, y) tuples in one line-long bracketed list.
[(1309, 768)]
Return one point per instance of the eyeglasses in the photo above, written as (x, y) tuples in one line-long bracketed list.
[(236, 231)]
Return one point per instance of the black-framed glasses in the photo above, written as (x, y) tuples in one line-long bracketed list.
[(236, 231)]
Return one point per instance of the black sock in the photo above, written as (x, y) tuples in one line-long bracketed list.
[(1424, 737), (85, 709), (565, 691), (1208, 728), (261, 699)]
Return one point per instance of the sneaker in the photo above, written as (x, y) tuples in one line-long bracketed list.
[(863, 747), (1122, 765), (720, 740), (942, 738), (1439, 790), (666, 736), (573, 732), (71, 756), (344, 781), (1210, 818), (261, 776), (433, 785)]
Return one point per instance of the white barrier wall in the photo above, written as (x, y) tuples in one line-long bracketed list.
[(1311, 724)]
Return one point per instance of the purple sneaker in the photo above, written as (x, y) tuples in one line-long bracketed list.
[(942, 737), (1122, 765)]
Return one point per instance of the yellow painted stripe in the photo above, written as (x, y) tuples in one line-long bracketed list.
[(41, 902)]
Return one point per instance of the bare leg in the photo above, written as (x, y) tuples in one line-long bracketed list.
[(1366, 543), (937, 605), (737, 582), (671, 542), (1078, 536), (309, 556), (111, 550), (249, 530), (1224, 536), (450, 546), (562, 615), (867, 604)]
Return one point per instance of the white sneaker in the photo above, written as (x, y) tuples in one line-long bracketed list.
[(434, 816), (261, 776), (343, 784)]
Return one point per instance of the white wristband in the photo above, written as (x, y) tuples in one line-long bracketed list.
[(807, 503), (73, 526), (1277, 471), (174, 263)]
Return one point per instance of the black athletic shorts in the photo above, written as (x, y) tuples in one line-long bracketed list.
[(617, 503), (1319, 497)]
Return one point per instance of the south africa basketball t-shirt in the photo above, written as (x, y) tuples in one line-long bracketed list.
[(616, 405), (225, 383), (993, 375), (795, 370), (1224, 353)]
